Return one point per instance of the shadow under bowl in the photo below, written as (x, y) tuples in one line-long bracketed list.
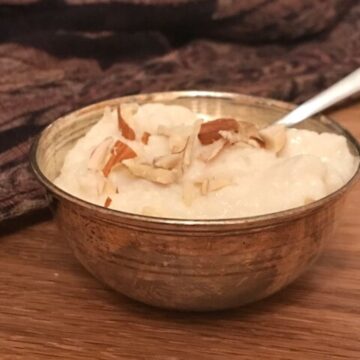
[(189, 264)]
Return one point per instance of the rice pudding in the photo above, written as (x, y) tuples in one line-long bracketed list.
[(163, 160)]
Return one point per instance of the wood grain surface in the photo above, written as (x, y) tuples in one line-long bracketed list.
[(50, 308)]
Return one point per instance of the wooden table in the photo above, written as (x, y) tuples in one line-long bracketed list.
[(51, 308)]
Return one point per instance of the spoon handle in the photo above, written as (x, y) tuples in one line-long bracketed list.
[(337, 92)]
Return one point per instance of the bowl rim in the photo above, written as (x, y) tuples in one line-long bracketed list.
[(274, 217)]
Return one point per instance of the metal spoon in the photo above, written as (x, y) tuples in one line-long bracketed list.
[(335, 93)]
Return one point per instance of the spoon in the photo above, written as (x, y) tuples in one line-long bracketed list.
[(344, 88)]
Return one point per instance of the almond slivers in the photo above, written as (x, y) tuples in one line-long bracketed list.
[(246, 134), (177, 143), (145, 138), (188, 152), (274, 137), (178, 136), (209, 131), (127, 132), (109, 187), (177, 152), (168, 162), (209, 152), (98, 156), (145, 171), (108, 202), (218, 183), (119, 152), (248, 130), (214, 184)]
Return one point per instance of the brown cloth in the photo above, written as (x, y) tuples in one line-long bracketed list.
[(58, 57)]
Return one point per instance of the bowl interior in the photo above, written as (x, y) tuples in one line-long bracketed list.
[(60, 136)]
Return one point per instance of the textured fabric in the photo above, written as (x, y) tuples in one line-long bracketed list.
[(47, 73), (249, 20)]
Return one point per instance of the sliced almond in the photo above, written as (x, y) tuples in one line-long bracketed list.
[(145, 138), (178, 136), (100, 184), (213, 184), (103, 185), (190, 193), (188, 152), (168, 162), (209, 152), (209, 131), (246, 134), (92, 182), (109, 187), (157, 175), (126, 130), (256, 143), (98, 156), (248, 130), (218, 183), (119, 152), (108, 202), (232, 137), (274, 137), (177, 143)]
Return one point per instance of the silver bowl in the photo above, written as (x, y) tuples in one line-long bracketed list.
[(189, 264)]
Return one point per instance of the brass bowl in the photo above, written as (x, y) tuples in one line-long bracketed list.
[(189, 264)]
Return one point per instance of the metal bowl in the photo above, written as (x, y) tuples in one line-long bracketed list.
[(189, 264)]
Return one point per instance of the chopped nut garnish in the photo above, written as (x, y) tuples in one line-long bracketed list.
[(158, 175), (181, 140), (209, 131), (190, 144), (256, 143), (218, 183), (248, 130), (178, 136), (99, 154), (145, 138), (214, 184), (177, 143), (167, 169), (126, 130), (108, 202), (109, 187), (168, 162), (232, 137), (119, 152), (245, 133), (274, 137), (209, 152)]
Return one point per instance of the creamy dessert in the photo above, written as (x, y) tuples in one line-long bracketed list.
[(163, 160)]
